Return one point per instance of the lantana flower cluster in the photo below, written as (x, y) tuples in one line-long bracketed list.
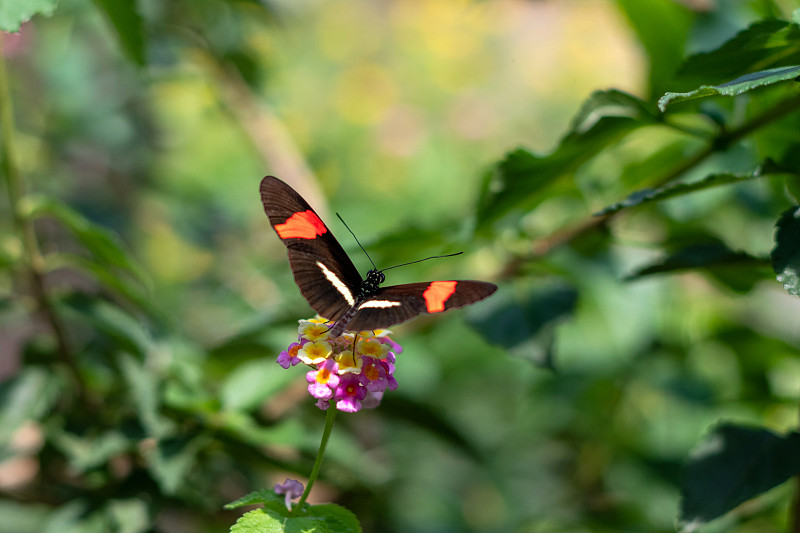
[(352, 370)]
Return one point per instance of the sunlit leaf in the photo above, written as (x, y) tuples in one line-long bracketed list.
[(14, 12), (259, 497), (270, 521), (679, 189), (786, 253), (317, 519), (734, 465), (740, 85)]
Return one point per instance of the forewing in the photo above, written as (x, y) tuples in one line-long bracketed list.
[(322, 270), (398, 303)]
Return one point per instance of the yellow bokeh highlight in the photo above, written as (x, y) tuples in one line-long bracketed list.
[(171, 258), (364, 93)]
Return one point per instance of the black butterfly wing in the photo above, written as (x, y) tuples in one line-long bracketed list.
[(322, 270), (398, 303)]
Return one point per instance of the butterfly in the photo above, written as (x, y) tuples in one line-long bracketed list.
[(330, 282)]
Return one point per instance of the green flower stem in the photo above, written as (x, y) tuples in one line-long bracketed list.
[(326, 433)]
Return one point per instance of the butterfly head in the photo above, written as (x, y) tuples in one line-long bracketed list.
[(374, 279)]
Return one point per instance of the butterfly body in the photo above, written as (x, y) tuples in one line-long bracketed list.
[(331, 283)]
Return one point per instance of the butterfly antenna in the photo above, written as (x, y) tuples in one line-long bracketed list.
[(356, 238), (421, 260)]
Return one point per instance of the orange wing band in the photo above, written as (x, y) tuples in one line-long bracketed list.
[(437, 294), (305, 225)]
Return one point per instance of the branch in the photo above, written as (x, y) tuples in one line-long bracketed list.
[(34, 262), (266, 132), (719, 143)]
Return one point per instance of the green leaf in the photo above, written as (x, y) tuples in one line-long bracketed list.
[(259, 497), (128, 516), (246, 429), (646, 196), (259, 521), (694, 257), (23, 518), (423, 416), (520, 320), (14, 12), (338, 518), (764, 45), (737, 270), (103, 244), (270, 521), (736, 464), (88, 452), (656, 163), (252, 382), (118, 285), (127, 332), (317, 519), (786, 254), (26, 396), (742, 84), (173, 459), (612, 103), (76, 516), (144, 391), (126, 19), (520, 180)]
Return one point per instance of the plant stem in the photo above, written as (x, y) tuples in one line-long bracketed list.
[(34, 263), (326, 433), (718, 144), (267, 133)]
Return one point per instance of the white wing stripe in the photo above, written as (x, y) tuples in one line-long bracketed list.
[(380, 304), (338, 284)]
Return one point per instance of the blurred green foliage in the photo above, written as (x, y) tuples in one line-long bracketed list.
[(642, 310)]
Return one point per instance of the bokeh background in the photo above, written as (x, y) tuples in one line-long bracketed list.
[(390, 113)]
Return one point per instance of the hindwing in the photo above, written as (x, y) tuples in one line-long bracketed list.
[(398, 303)]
